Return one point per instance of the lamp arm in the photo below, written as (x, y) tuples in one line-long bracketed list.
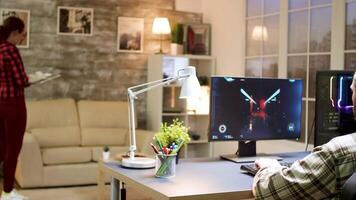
[(153, 84), (131, 95), (149, 83), (132, 132)]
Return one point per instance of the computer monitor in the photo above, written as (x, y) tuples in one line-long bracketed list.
[(251, 109), (333, 109)]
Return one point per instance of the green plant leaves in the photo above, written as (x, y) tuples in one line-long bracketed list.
[(173, 133)]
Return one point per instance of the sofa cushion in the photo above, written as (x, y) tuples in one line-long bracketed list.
[(57, 137), (97, 152), (70, 174), (51, 113), (104, 136), (103, 114), (66, 155)]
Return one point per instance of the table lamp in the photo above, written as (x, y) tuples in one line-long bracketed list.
[(190, 89), (161, 26)]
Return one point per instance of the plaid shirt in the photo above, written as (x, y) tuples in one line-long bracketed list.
[(13, 78), (320, 175)]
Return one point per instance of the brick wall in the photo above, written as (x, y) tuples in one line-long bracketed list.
[(91, 67)]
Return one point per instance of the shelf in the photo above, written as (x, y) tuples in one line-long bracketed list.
[(174, 114), (196, 114), (200, 57), (198, 141), (158, 104), (184, 114)]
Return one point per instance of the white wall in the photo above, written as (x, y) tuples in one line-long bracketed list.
[(189, 5), (227, 21)]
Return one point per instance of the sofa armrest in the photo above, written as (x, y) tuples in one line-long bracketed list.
[(143, 140), (29, 170)]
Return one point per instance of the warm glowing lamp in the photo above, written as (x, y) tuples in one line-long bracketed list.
[(259, 33), (161, 26)]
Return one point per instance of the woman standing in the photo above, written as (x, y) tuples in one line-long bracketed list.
[(13, 80)]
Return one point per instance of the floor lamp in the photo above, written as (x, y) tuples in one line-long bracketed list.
[(190, 89)]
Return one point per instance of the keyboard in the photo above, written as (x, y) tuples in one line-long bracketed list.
[(252, 169)]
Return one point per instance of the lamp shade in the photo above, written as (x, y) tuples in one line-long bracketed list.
[(161, 26), (259, 33), (190, 85)]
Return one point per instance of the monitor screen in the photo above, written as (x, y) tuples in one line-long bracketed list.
[(333, 111), (255, 108)]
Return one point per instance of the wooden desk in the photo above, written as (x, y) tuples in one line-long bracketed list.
[(199, 179)]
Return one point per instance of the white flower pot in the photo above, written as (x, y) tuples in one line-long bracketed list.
[(176, 49), (106, 156)]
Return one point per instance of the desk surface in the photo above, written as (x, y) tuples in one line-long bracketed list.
[(195, 179)]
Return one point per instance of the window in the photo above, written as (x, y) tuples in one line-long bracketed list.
[(309, 40), (309, 49), (307, 43), (350, 36), (262, 29)]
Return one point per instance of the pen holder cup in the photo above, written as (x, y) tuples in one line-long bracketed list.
[(165, 165)]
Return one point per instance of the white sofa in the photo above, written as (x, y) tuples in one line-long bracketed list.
[(64, 140)]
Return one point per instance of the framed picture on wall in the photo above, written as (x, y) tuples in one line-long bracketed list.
[(130, 32), (196, 39), (24, 15), (75, 21)]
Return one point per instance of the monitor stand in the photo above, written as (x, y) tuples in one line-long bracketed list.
[(247, 153)]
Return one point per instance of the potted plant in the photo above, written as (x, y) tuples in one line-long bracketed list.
[(169, 141), (177, 39), (106, 153)]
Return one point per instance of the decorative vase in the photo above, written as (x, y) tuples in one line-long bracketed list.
[(176, 49)]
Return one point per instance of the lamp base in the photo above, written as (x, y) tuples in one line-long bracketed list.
[(138, 163), (160, 52)]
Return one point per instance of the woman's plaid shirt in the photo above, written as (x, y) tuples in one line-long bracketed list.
[(13, 78), (319, 175)]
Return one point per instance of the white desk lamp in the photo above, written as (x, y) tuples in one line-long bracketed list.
[(190, 88)]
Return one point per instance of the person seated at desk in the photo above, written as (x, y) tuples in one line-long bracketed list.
[(320, 175)]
